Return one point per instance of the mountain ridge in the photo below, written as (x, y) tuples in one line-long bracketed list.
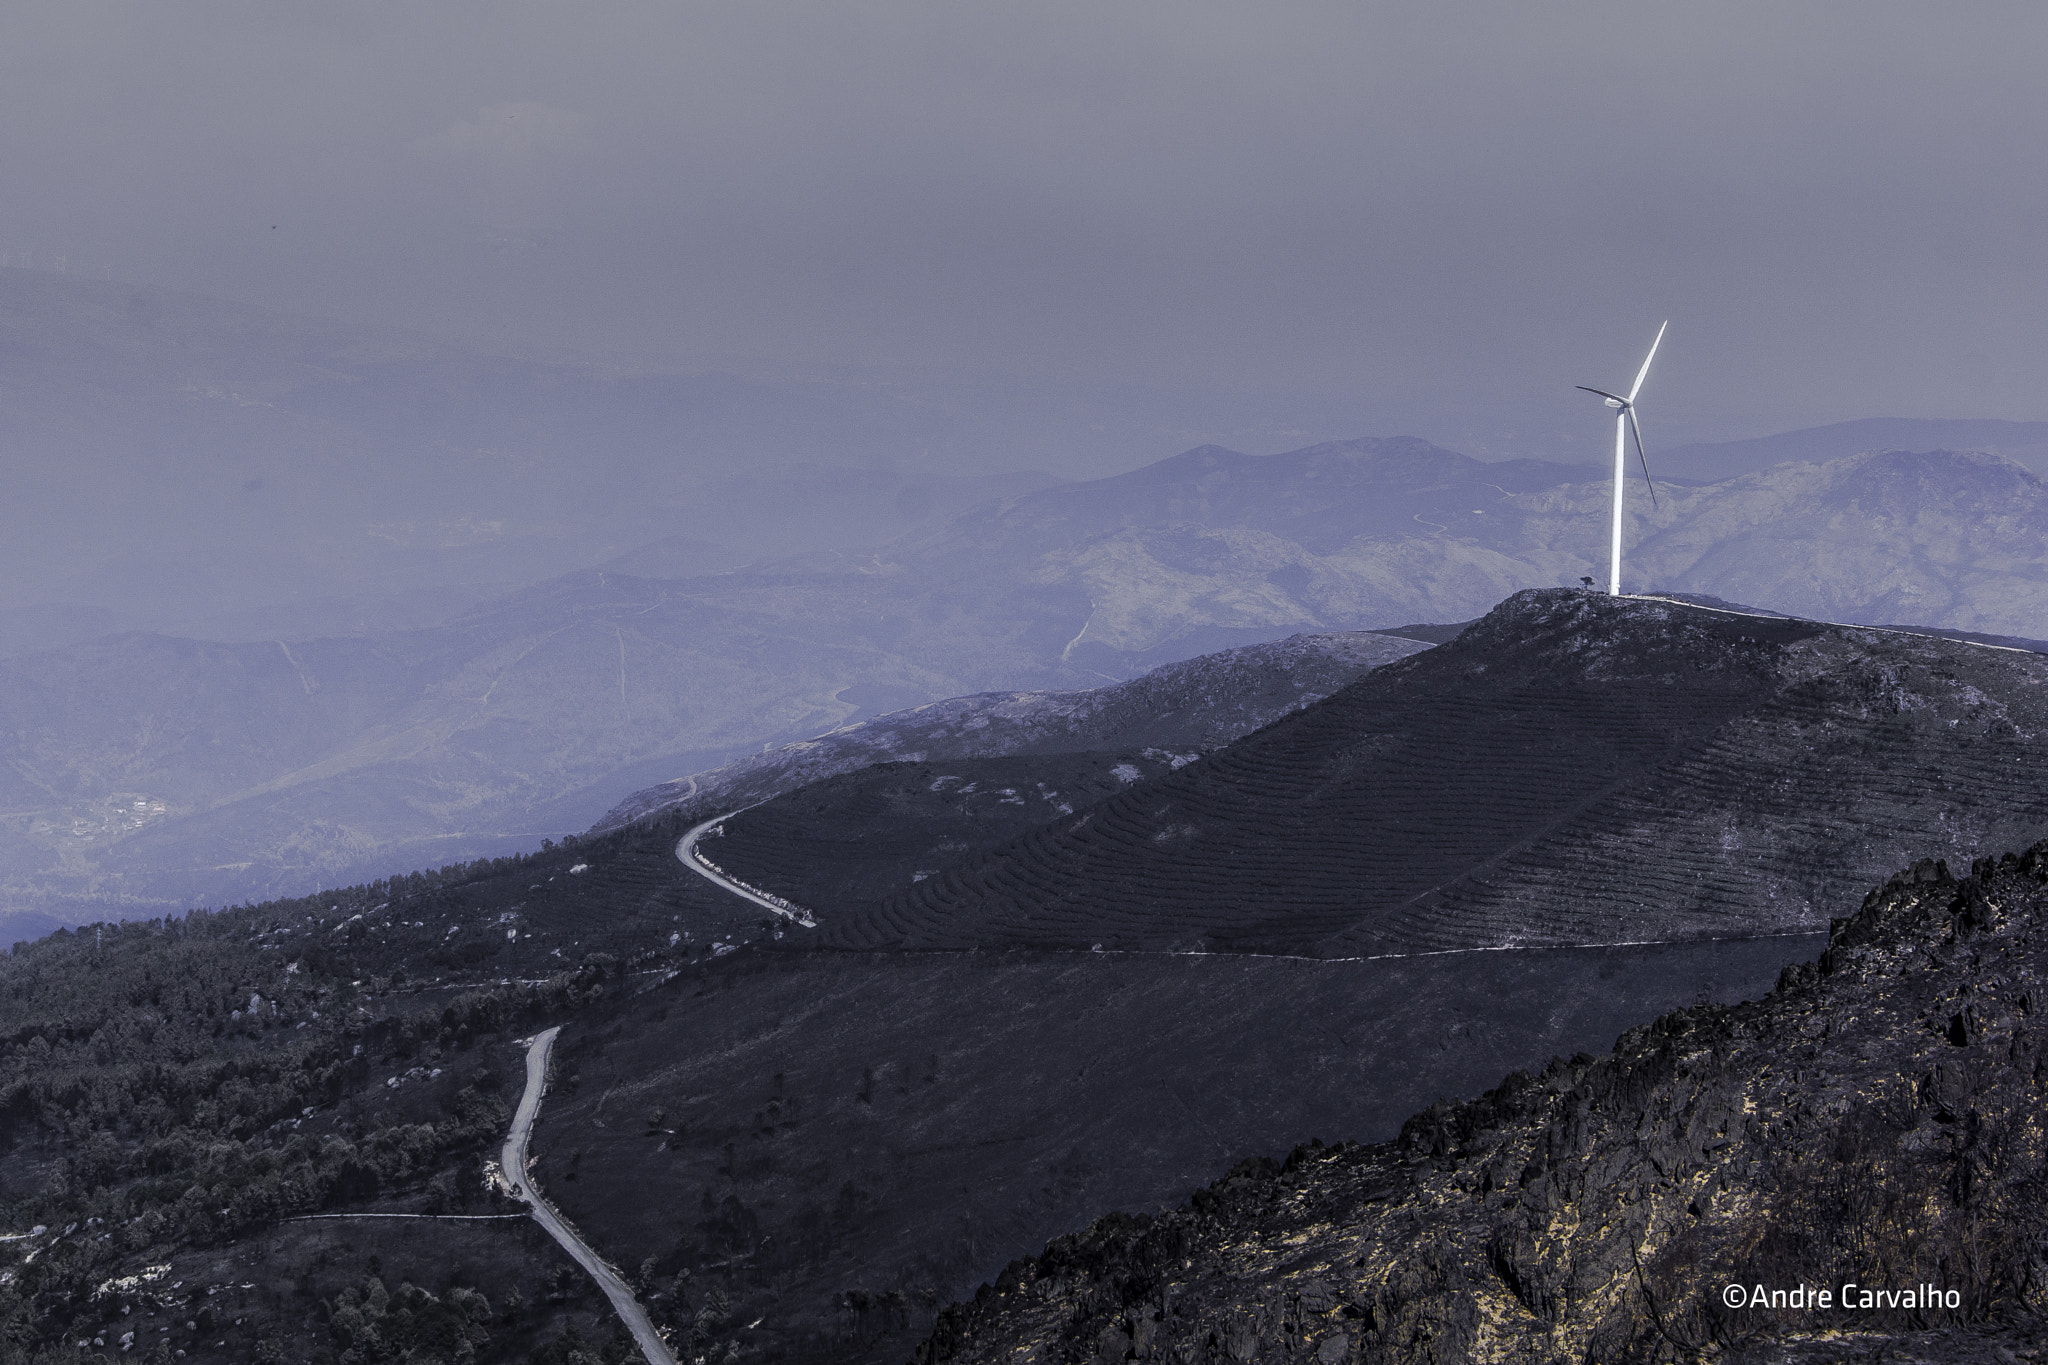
[(1711, 461), (1698, 761)]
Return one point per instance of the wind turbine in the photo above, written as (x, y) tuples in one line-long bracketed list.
[(1625, 423)]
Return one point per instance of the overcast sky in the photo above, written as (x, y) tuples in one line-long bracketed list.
[(1440, 207)]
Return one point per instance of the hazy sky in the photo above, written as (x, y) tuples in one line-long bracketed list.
[(1440, 206)]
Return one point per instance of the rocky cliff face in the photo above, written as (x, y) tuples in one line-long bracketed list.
[(1871, 1127)]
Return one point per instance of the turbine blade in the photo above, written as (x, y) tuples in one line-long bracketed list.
[(1604, 394), (1637, 429), (1644, 372)]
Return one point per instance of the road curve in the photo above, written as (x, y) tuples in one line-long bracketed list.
[(688, 856), (513, 1160)]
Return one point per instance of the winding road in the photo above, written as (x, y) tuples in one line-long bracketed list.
[(687, 854), (513, 1159)]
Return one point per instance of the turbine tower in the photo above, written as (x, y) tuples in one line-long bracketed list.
[(1625, 423)]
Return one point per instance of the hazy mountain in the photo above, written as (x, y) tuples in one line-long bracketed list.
[(536, 712), (1368, 533), (2026, 442), (1868, 1128), (150, 771), (153, 772)]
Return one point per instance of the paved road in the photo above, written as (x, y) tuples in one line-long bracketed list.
[(686, 853), (514, 1161)]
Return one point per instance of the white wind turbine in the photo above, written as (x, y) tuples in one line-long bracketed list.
[(1624, 423)]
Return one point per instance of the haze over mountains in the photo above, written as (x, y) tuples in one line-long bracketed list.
[(971, 663), (188, 464), (2026, 442), (336, 533), (202, 467), (148, 771)]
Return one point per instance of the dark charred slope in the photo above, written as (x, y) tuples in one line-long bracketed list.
[(1196, 704), (1874, 1120), (845, 1142), (1571, 769), (798, 1156)]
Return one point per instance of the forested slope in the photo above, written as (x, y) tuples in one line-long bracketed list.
[(175, 1093)]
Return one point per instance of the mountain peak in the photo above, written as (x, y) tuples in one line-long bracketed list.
[(1573, 769)]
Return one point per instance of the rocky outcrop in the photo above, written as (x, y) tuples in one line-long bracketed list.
[(1870, 1130)]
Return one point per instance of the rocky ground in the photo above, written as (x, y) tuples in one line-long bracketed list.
[(1875, 1121)]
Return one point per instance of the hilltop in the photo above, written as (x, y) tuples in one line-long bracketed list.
[(1571, 769)]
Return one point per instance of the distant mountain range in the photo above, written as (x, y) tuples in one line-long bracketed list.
[(145, 771), (201, 467), (1707, 462)]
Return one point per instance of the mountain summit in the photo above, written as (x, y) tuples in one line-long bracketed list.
[(1572, 769)]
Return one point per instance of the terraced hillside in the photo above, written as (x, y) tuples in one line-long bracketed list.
[(1571, 769)]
